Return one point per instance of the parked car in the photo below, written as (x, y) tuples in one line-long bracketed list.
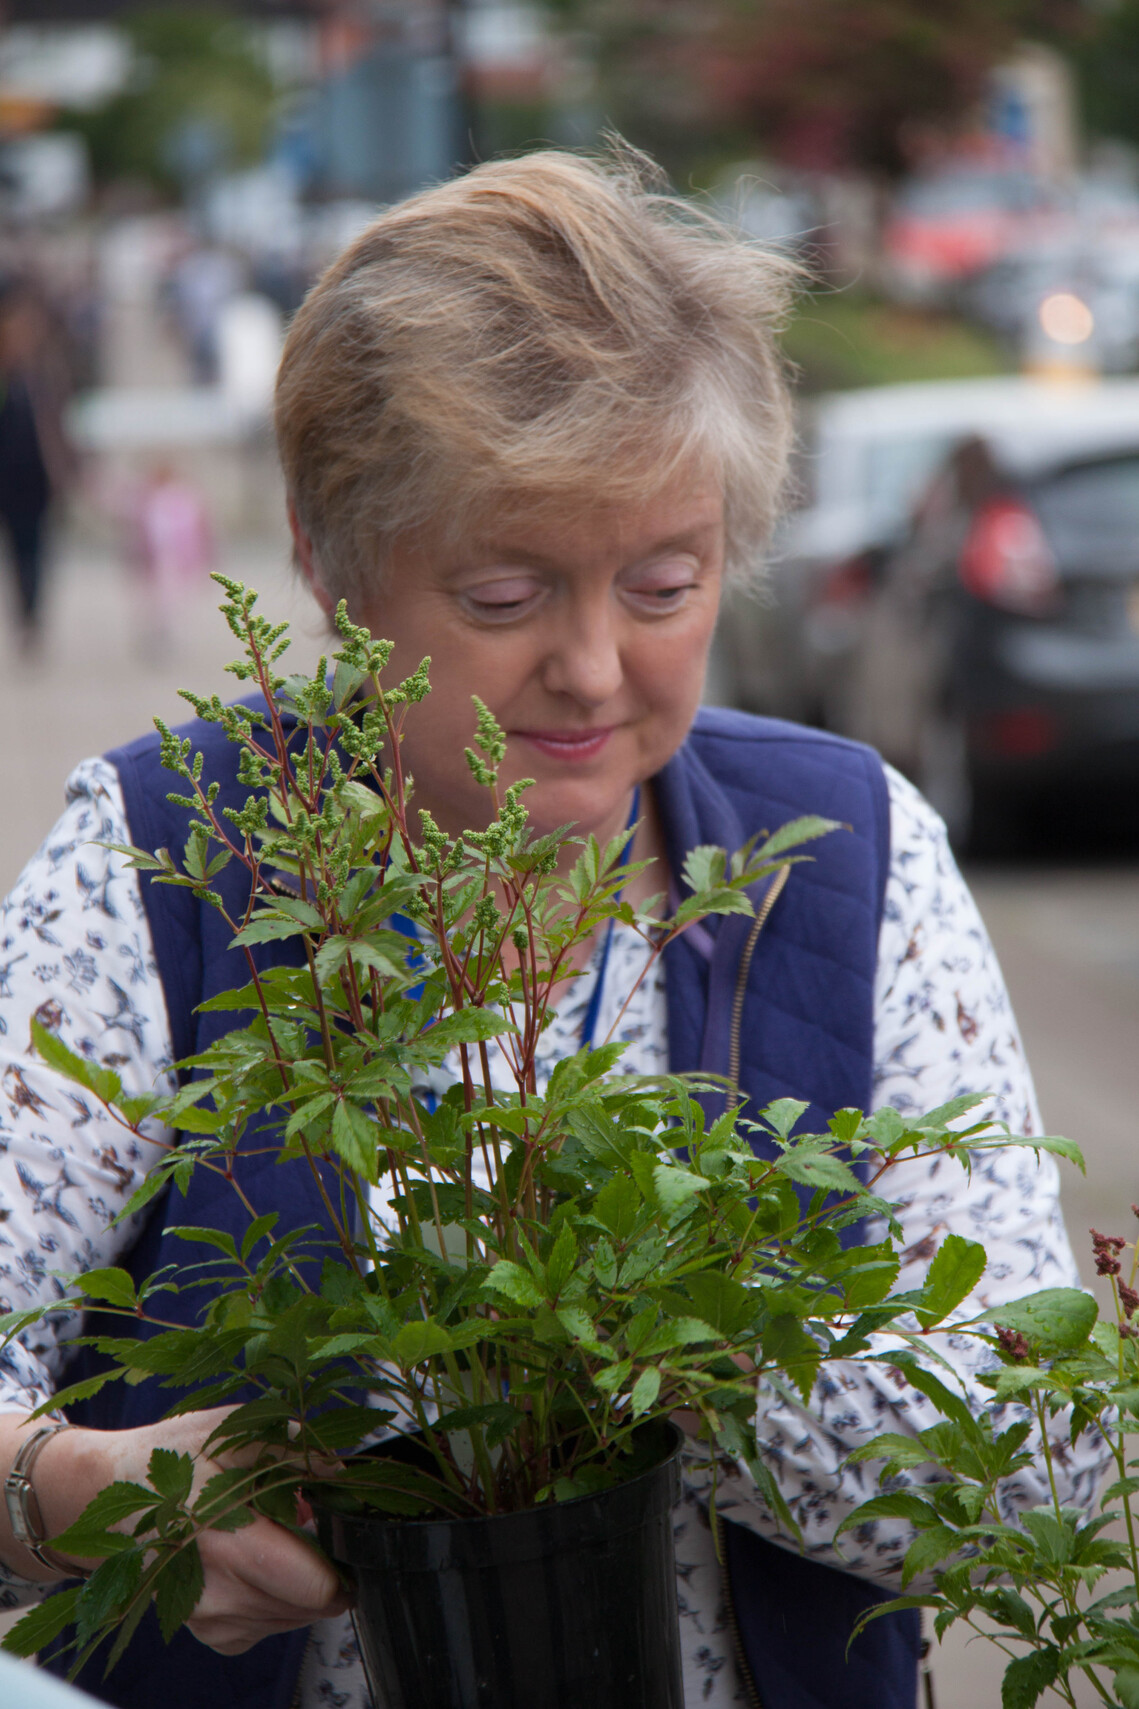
[(864, 458), (949, 224), (998, 658)]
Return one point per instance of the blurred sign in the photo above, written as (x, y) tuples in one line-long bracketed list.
[(43, 175), (388, 123)]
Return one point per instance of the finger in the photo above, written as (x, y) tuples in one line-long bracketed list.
[(265, 1567)]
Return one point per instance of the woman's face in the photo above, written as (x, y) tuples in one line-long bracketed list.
[(586, 634)]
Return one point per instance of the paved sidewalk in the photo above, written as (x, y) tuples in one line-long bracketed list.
[(99, 681)]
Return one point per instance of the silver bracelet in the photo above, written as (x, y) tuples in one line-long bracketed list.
[(20, 1498)]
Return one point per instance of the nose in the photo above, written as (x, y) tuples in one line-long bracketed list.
[(584, 654)]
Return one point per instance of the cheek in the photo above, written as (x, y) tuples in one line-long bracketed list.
[(670, 674)]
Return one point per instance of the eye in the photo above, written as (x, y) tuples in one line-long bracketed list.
[(662, 585), (499, 598)]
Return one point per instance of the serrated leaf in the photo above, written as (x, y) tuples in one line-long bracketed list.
[(179, 1586), (645, 1391), (515, 1283), (957, 1267), (207, 1237), (354, 1136), (110, 1507), (421, 1340), (927, 1549), (1026, 1678), (562, 1260), (618, 1205), (108, 1593), (819, 1169), (171, 1473), (674, 1187), (1126, 1684), (111, 1284), (102, 1081), (784, 1114), (40, 1625), (1061, 1319)]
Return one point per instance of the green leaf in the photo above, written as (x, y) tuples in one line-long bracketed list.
[(721, 1301), (42, 1624), (562, 1260), (618, 1205), (645, 1391), (898, 1450), (1061, 1319), (957, 1267), (515, 1283), (795, 832), (179, 1585), (819, 1169), (1028, 1677), (899, 1504), (208, 1237), (172, 1474), (113, 1285), (421, 1340), (110, 1507), (674, 1187), (469, 1026), (927, 1549), (354, 1136), (1127, 1687), (784, 1114), (108, 1593), (105, 1084)]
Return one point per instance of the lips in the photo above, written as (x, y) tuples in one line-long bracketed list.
[(574, 746)]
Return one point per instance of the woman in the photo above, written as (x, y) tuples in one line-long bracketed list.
[(529, 422)]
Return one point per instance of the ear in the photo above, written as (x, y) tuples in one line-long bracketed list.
[(306, 559)]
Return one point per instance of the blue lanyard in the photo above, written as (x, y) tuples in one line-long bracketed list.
[(592, 1013)]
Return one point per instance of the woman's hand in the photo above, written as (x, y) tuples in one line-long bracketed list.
[(259, 1581)]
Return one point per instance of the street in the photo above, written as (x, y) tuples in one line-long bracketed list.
[(1067, 931)]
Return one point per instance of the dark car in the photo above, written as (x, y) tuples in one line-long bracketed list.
[(998, 657)]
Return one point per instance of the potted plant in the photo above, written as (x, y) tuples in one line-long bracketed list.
[(467, 1358), (1058, 1590)]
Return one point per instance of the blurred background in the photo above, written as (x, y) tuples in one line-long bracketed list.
[(958, 578)]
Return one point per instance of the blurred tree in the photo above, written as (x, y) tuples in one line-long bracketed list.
[(1107, 62), (816, 83), (199, 99)]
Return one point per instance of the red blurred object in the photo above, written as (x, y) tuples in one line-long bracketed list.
[(1007, 560), (847, 584), (1023, 734)]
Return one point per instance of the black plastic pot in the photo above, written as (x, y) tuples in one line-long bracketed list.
[(567, 1606)]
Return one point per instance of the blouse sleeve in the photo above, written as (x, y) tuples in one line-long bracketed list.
[(75, 951), (943, 1026)]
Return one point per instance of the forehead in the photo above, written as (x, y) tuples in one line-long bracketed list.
[(571, 524)]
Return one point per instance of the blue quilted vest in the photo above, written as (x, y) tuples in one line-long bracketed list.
[(807, 1032)]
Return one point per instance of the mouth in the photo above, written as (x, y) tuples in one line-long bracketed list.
[(571, 745)]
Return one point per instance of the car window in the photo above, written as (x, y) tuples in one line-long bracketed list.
[(895, 472), (1091, 514), (1096, 498)]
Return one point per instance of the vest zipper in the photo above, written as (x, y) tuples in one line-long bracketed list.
[(743, 1666), (775, 890)]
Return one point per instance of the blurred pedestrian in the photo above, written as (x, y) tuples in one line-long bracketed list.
[(173, 547), (200, 286), (35, 459)]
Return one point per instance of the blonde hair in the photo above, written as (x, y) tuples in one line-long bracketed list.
[(541, 328)]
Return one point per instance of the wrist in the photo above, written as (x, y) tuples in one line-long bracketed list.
[(25, 1512)]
